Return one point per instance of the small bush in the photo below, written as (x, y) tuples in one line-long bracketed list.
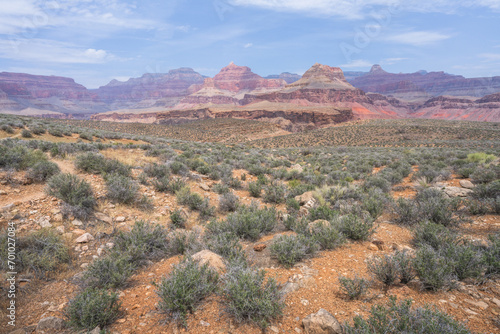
[(42, 171), (157, 171), (76, 193), (108, 272), (491, 256), (121, 189), (292, 205), (434, 270), (43, 252), (221, 188), (435, 235), (56, 132), (95, 163), (275, 193), (26, 133), (145, 241), (250, 222), (206, 210), (406, 270), (227, 245), (466, 260), (354, 288), (177, 219), (255, 189), (356, 228), (186, 197), (228, 202), (184, 289), (385, 269), (290, 249), (92, 308), (7, 128), (183, 242), (327, 236), (249, 297), (401, 318), (38, 130), (484, 175), (322, 212)]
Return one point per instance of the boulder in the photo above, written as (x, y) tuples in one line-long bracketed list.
[(204, 186), (104, 218), (86, 237), (466, 184), (214, 260), (305, 197), (457, 192), (322, 322), (49, 325)]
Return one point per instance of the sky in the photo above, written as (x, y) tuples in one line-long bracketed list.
[(95, 41)]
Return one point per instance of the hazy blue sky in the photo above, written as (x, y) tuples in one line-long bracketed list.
[(94, 41)]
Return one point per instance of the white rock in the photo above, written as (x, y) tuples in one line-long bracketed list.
[(86, 237)]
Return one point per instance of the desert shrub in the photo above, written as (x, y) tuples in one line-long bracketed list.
[(206, 211), (186, 197), (232, 182), (121, 189), (404, 262), (91, 308), (183, 242), (42, 252), (466, 260), (255, 189), (96, 163), (55, 132), (227, 245), (485, 191), (483, 175), (184, 289), (385, 268), (228, 202), (221, 188), (25, 133), (292, 205), (467, 170), (250, 297), (157, 170), (146, 241), (491, 255), (377, 182), (7, 128), (250, 222), (374, 202), (19, 157), (478, 207), (144, 203), (86, 136), (177, 219), (108, 272), (179, 168), (434, 270), (356, 228), (76, 194), (322, 212), (164, 184), (354, 288), (290, 249), (42, 171), (38, 130), (401, 318), (275, 193), (435, 235), (480, 158), (327, 235)]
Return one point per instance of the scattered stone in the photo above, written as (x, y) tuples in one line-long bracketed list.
[(468, 311), (104, 218), (305, 197), (86, 237), (204, 323), (214, 260), (310, 203), (457, 192), (379, 244), (298, 330), (496, 301), (373, 247), (479, 304), (304, 302), (303, 212), (313, 224), (259, 247), (274, 329), (58, 217), (322, 322), (290, 287), (120, 219), (204, 186), (3, 192), (96, 330), (84, 265), (60, 229), (45, 222), (49, 324), (110, 245), (466, 184), (77, 222)]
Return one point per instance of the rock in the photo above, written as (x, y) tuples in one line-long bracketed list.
[(457, 192), (311, 226), (204, 323), (49, 325), (310, 203), (58, 217), (322, 322), (305, 197), (479, 304), (290, 287), (120, 219), (77, 222), (467, 184), (214, 260), (104, 218), (259, 247), (45, 222), (86, 237), (373, 247), (303, 212), (78, 232), (496, 301), (60, 229), (274, 329), (204, 186), (379, 244), (3, 192), (96, 330)]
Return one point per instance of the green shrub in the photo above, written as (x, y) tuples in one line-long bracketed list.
[(292, 205), (435, 235), (275, 193), (145, 241), (322, 212), (7, 128), (96, 163), (38, 130), (76, 194), (177, 219), (406, 269), (356, 228), (228, 202), (227, 245), (250, 222), (42, 252), (26, 133), (121, 189), (56, 132), (249, 297), (487, 191), (327, 236), (255, 189), (92, 308), (354, 288), (401, 318), (157, 171), (183, 242), (43, 170), (184, 289), (374, 202), (86, 136), (221, 188), (206, 210), (290, 249), (484, 175), (435, 271), (480, 158), (385, 268), (491, 256), (466, 260), (108, 272)]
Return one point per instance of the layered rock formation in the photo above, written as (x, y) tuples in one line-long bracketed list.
[(288, 77), (421, 84)]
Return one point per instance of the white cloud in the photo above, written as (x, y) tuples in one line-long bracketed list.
[(48, 51), (418, 38), (357, 63), (390, 61), (248, 45), (490, 57), (357, 9)]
